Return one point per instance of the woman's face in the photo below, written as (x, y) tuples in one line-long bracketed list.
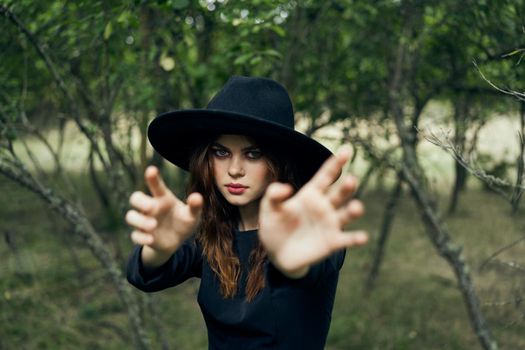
[(240, 169)]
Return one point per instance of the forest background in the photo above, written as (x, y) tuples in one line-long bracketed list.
[(426, 92)]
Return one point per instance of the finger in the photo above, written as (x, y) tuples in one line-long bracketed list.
[(331, 169), (154, 181), (141, 221), (349, 239), (351, 211), (195, 203), (142, 238), (277, 193), (342, 193), (142, 202)]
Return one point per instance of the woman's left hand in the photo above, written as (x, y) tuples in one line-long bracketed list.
[(302, 229)]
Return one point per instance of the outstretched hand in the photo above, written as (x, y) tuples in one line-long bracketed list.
[(162, 221), (302, 229)]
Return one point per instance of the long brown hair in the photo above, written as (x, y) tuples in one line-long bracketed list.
[(219, 218)]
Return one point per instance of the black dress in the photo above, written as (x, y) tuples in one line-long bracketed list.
[(286, 314)]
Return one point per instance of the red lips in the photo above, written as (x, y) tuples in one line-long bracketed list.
[(235, 188)]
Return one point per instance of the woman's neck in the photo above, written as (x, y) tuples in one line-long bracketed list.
[(249, 216)]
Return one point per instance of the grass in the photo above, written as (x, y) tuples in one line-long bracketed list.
[(54, 295), (416, 304)]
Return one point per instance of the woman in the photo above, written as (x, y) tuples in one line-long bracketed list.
[(261, 226)]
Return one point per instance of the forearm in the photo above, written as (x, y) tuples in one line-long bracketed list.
[(152, 258)]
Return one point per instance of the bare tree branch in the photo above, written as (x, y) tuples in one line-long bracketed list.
[(16, 171), (499, 251), (440, 237), (519, 95), (444, 142), (75, 111)]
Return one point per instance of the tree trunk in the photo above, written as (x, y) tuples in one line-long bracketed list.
[(459, 184), (388, 220), (453, 254), (460, 129), (520, 164), (83, 228), (365, 180), (23, 266), (413, 174)]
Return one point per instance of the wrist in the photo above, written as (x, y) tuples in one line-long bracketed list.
[(293, 272), (153, 258), (297, 273)]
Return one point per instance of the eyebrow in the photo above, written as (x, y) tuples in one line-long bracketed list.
[(249, 148)]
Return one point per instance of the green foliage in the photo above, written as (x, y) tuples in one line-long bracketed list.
[(123, 62), (339, 55)]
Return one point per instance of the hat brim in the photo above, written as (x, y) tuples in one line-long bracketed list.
[(175, 135)]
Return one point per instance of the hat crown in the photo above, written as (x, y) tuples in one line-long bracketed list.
[(255, 107), (261, 98)]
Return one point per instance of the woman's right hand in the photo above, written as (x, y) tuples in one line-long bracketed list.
[(162, 222)]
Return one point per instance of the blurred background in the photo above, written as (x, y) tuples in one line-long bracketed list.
[(428, 93)]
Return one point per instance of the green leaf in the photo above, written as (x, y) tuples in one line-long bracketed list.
[(107, 31), (124, 17), (278, 30), (242, 59), (272, 52), (255, 60), (180, 4)]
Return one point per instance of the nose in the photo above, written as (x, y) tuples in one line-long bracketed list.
[(236, 168)]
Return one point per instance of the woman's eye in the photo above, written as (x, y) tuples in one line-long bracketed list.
[(220, 152), (254, 154)]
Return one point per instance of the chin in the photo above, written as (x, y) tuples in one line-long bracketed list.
[(237, 201)]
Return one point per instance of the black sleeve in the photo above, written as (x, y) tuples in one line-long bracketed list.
[(185, 263), (317, 273)]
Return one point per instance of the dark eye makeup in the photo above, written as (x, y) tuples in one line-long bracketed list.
[(254, 154), (219, 152), (250, 152)]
